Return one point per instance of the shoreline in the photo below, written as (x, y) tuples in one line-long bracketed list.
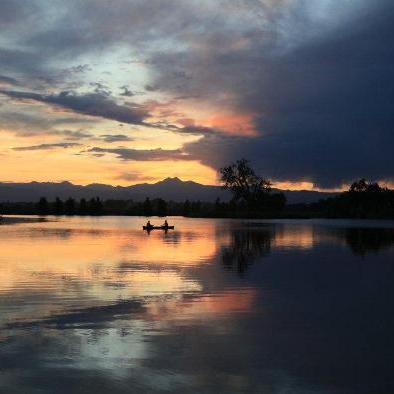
[(21, 219), (34, 218)]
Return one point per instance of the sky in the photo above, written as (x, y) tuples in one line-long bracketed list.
[(131, 91)]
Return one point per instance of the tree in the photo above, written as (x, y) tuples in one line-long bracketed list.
[(363, 200), (147, 207), (244, 184), (42, 206), (95, 206), (69, 206), (186, 208), (359, 186), (83, 207), (362, 185), (161, 207), (195, 207), (58, 206), (98, 206)]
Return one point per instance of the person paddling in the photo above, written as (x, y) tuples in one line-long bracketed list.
[(165, 224), (148, 225)]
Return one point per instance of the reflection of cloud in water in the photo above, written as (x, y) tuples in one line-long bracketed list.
[(174, 249), (116, 310), (294, 237), (203, 306)]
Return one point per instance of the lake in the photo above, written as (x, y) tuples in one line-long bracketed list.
[(96, 305)]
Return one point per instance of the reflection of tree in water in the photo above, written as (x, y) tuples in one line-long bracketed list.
[(368, 240), (245, 247)]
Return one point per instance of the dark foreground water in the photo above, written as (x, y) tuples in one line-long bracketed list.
[(95, 305)]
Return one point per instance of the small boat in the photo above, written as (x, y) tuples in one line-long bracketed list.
[(149, 228)]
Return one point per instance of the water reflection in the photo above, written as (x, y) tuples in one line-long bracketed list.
[(363, 241), (97, 305), (245, 246)]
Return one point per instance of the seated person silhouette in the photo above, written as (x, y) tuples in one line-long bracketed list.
[(165, 223), (149, 225)]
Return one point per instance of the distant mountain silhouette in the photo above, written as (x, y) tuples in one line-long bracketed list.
[(168, 189)]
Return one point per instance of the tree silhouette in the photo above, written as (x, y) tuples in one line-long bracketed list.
[(83, 207), (161, 207), (58, 206), (242, 181), (250, 191), (359, 186), (95, 206), (42, 206), (362, 200), (196, 207), (69, 206), (186, 208), (147, 207)]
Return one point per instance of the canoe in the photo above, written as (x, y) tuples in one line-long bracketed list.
[(157, 228)]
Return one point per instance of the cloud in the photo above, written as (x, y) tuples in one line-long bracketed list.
[(73, 134), (100, 104), (143, 154), (134, 177), (14, 11), (79, 69), (28, 124), (47, 146), (92, 104), (323, 106), (115, 137), (316, 76), (4, 80), (30, 65), (126, 92)]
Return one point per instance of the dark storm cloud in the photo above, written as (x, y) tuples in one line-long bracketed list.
[(19, 60), (143, 154), (324, 108), (13, 11), (92, 104), (47, 146)]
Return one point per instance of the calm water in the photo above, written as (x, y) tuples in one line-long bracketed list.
[(95, 305)]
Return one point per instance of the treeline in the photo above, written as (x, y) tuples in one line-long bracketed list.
[(252, 197), (93, 206), (156, 207), (363, 200)]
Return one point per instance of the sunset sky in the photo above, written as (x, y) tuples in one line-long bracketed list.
[(131, 91)]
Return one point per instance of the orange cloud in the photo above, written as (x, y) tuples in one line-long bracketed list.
[(237, 124)]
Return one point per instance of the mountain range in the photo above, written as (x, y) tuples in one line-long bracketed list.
[(169, 189)]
